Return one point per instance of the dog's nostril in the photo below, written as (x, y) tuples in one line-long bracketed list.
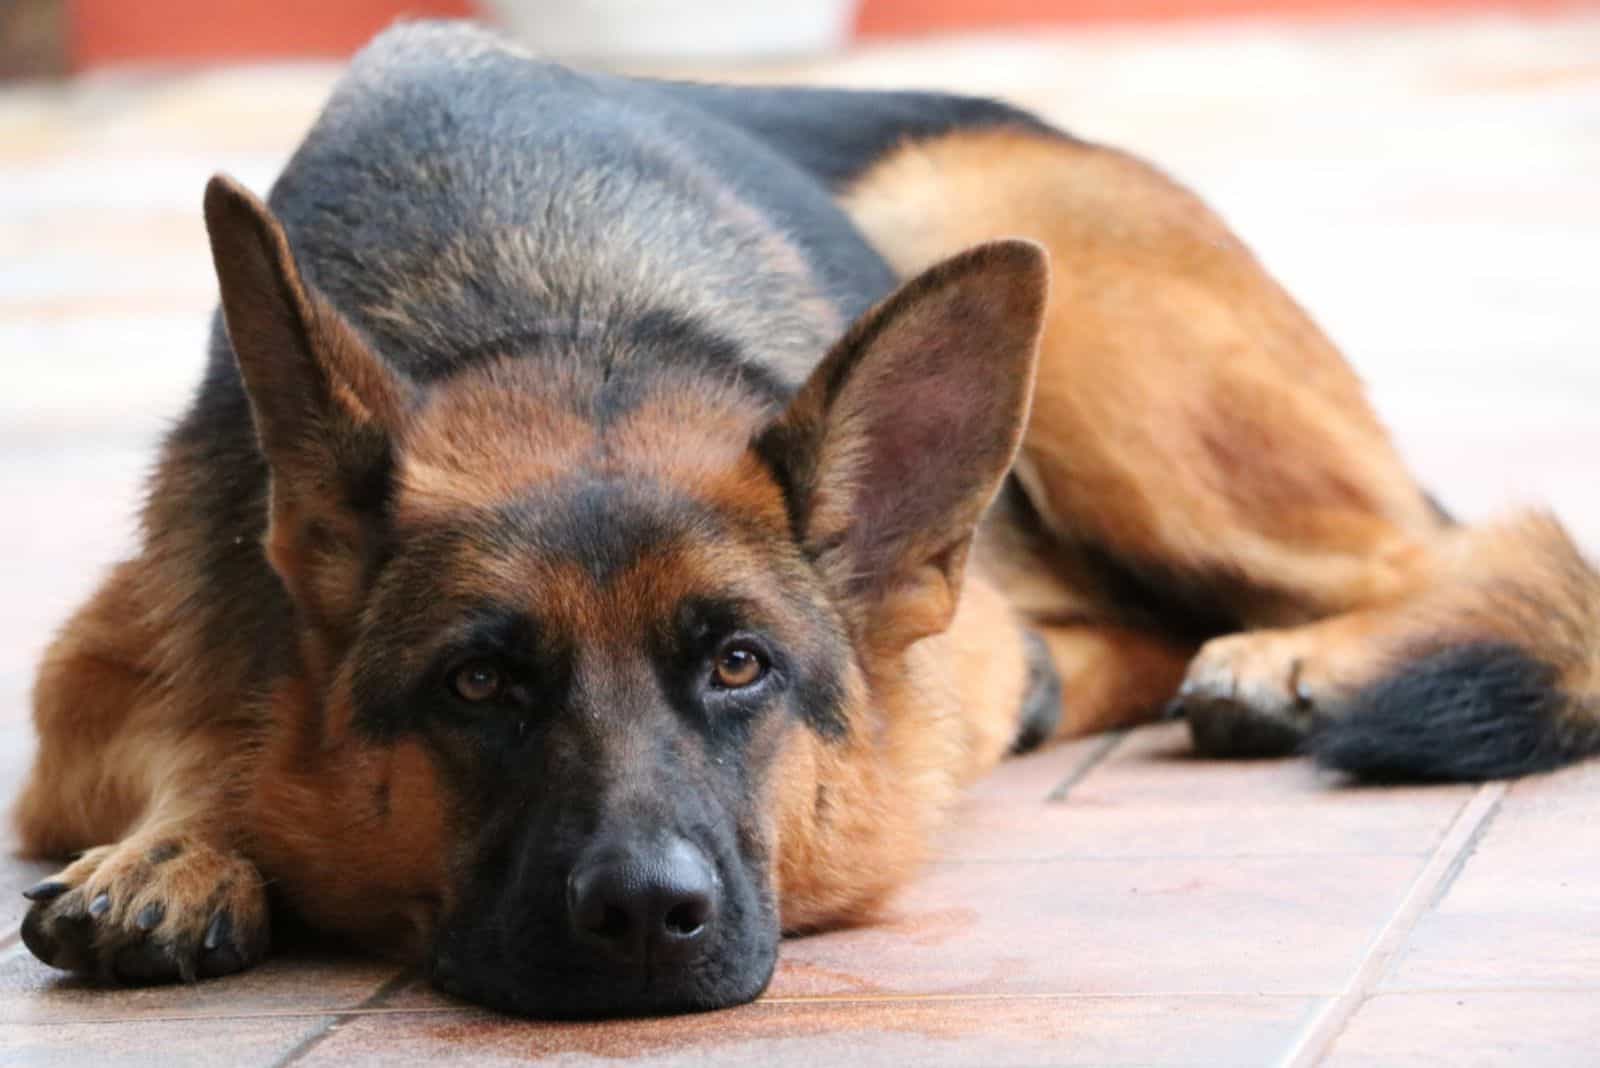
[(636, 903), (687, 918), (614, 923)]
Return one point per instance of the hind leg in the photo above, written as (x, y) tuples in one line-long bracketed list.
[(1264, 692), (1200, 459), (1462, 680), (1195, 438), (133, 785)]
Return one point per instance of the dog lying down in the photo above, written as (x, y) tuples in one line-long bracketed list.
[(618, 517)]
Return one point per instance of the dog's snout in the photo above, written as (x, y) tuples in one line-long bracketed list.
[(658, 903)]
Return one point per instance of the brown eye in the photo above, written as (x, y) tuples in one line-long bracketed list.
[(476, 681), (738, 666)]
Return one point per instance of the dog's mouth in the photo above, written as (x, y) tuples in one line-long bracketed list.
[(628, 930), (574, 995)]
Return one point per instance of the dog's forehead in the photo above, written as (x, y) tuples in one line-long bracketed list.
[(599, 558), (499, 435), (519, 483)]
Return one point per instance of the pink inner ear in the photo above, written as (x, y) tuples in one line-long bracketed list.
[(933, 428), (928, 417)]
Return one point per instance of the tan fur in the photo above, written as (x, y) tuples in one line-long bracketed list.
[(1186, 409), (1190, 417), (854, 821), (1502, 582), (1112, 676), (125, 759), (365, 828)]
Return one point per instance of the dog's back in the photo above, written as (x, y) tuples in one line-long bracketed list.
[(558, 203)]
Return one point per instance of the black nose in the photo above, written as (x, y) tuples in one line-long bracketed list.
[(656, 903)]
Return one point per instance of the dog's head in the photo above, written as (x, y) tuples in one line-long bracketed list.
[(558, 634)]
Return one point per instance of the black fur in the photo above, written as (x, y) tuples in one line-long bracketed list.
[(683, 340), (1041, 702), (836, 134), (1484, 711), (622, 192), (604, 525)]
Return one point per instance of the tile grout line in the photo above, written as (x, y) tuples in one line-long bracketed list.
[(1094, 759), (1117, 858), (367, 1010), (303, 1048), (1469, 847), (1459, 841)]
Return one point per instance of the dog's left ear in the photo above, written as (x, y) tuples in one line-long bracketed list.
[(325, 408), (897, 443)]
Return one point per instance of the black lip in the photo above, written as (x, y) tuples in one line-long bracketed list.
[(647, 999)]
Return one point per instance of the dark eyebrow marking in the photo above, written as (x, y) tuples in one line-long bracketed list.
[(495, 629), (604, 524), (527, 335), (694, 346), (703, 616)]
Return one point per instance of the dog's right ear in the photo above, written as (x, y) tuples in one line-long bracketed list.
[(325, 408)]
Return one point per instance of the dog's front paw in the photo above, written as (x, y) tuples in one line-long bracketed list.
[(150, 909)]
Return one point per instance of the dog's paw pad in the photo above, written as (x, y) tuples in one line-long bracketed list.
[(150, 912)]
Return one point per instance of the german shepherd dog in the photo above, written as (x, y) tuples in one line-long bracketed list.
[(611, 529)]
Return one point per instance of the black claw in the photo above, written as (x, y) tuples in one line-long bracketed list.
[(48, 890), (100, 905), (220, 928), (150, 917)]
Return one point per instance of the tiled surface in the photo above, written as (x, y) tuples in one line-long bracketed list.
[(1471, 1030), (1426, 189), (1156, 925), (300, 983), (932, 1033), (230, 1043)]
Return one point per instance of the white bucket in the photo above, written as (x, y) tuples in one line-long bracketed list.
[(677, 29)]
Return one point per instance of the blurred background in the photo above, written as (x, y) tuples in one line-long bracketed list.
[(1423, 174), (53, 36)]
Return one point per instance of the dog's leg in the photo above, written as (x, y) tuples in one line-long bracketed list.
[(1491, 668), (1112, 676), (135, 785), (1201, 459), (1194, 436)]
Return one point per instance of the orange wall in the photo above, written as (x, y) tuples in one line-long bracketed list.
[(897, 17), (117, 31)]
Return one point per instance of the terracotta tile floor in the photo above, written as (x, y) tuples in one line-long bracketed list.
[(1429, 191)]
